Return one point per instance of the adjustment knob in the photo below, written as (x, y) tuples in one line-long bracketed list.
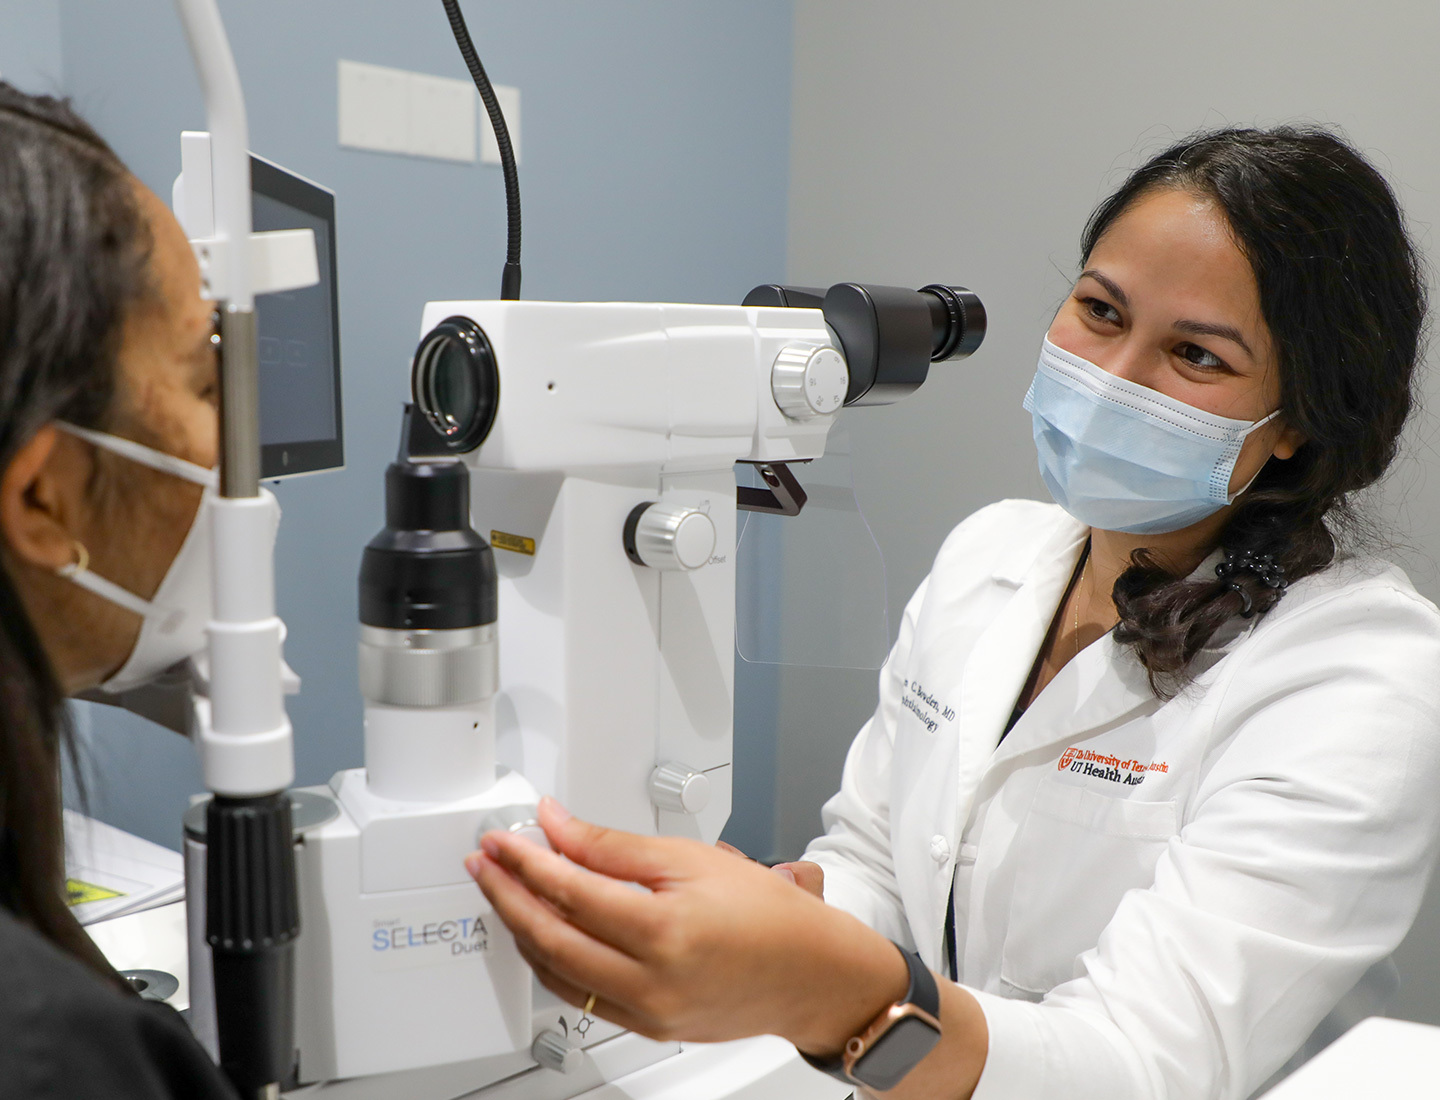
[(808, 382), (523, 821), (669, 536), (679, 789), (553, 1051)]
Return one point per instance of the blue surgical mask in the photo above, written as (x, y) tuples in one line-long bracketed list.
[(1121, 457)]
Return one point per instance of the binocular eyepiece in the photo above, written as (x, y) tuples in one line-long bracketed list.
[(890, 335)]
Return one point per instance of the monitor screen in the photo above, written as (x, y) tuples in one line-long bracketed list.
[(299, 334)]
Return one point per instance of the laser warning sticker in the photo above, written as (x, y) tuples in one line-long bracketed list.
[(516, 544), (78, 893), (109, 872)]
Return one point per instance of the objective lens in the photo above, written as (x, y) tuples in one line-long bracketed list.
[(456, 384), (450, 386)]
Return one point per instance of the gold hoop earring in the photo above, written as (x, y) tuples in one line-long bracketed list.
[(81, 562)]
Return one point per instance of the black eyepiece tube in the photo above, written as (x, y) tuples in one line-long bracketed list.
[(890, 335), (957, 317)]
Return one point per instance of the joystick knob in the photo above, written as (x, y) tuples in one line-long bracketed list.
[(553, 1051), (669, 536), (679, 789), (807, 382)]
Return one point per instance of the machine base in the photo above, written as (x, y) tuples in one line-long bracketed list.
[(624, 1067)]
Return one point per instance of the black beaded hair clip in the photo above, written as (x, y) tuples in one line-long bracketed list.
[(1265, 568)]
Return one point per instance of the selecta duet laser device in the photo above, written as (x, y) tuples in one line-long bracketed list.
[(584, 650)]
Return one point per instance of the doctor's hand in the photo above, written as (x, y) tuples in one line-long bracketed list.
[(713, 948), (804, 874)]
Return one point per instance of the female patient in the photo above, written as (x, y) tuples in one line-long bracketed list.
[(103, 334)]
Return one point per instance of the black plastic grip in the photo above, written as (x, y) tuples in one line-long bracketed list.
[(428, 569), (252, 917), (885, 333)]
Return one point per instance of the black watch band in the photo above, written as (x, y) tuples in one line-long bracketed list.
[(870, 1061)]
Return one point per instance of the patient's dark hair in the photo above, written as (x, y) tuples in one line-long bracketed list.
[(73, 253), (1343, 295)]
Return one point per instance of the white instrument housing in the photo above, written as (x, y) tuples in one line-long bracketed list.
[(609, 669), (616, 675)]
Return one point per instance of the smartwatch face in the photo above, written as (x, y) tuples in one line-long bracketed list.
[(895, 1054)]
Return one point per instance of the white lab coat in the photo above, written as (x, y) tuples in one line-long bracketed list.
[(1154, 899)]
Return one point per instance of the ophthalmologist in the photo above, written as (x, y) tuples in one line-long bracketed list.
[(1152, 790)]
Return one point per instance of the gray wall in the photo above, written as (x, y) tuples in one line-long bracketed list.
[(967, 142), (655, 139)]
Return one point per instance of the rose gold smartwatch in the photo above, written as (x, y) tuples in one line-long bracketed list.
[(896, 1041)]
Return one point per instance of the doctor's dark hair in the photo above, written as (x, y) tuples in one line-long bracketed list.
[(1343, 295), (74, 248)]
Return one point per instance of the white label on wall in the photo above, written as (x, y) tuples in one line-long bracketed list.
[(395, 111)]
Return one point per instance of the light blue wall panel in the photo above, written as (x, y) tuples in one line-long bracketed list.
[(30, 55)]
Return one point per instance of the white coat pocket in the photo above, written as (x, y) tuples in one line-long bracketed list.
[(1075, 855)]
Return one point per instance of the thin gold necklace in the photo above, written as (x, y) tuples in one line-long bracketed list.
[(1079, 586)]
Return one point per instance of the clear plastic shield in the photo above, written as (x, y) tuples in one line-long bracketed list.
[(810, 589)]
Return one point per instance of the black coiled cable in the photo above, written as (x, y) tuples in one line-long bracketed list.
[(510, 277)]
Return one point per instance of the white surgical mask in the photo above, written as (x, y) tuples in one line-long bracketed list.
[(1119, 456), (175, 618)]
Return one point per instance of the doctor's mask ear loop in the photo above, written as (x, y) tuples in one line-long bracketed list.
[(1344, 307)]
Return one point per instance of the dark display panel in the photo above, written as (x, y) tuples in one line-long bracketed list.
[(301, 428)]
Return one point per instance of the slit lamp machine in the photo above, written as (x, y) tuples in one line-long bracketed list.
[(584, 650)]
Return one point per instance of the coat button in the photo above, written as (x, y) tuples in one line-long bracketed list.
[(939, 848)]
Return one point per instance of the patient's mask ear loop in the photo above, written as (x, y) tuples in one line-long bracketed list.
[(173, 622), (79, 572), (146, 456)]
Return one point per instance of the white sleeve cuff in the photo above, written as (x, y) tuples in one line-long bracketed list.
[(1014, 1065), (1047, 1050)]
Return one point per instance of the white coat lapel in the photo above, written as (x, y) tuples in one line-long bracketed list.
[(1001, 660), (984, 694), (1103, 686)]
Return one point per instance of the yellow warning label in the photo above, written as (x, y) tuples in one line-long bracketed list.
[(78, 893), (516, 544)]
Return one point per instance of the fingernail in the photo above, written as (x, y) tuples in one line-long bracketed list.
[(489, 845), (472, 864), (559, 811), (785, 873)]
